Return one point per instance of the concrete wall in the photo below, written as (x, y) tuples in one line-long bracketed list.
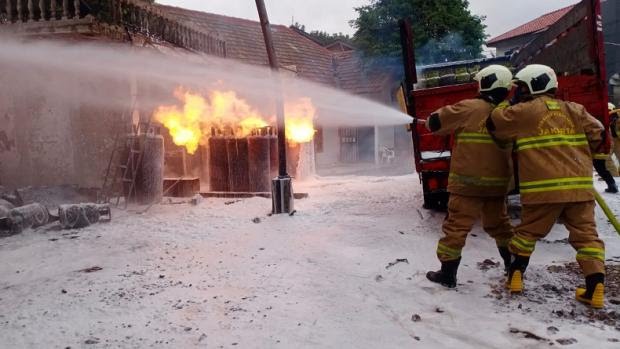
[(47, 138), (331, 148)]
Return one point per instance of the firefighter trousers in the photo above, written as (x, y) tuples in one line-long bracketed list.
[(578, 217), (610, 164), (463, 212)]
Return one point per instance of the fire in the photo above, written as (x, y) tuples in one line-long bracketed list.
[(184, 125), (299, 121), (190, 124)]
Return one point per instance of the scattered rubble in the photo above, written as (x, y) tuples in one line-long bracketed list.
[(400, 260), (487, 264), (529, 335), (566, 341), (554, 287), (90, 270)]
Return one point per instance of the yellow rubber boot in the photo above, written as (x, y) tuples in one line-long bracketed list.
[(598, 296), (515, 276), (515, 284), (594, 292)]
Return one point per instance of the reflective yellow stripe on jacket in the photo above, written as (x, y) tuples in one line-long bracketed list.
[(480, 181), (557, 184), (551, 141), (472, 137)]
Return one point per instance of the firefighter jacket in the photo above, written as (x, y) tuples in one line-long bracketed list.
[(554, 141), (478, 167)]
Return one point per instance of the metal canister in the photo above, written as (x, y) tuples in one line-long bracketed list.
[(259, 165), (150, 177), (238, 165), (218, 164), (23, 217)]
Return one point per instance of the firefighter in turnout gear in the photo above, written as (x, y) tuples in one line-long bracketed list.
[(604, 165), (480, 173), (554, 141), (614, 127)]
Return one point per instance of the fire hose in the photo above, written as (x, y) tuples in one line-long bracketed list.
[(610, 215)]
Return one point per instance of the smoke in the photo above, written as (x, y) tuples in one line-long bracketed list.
[(449, 48), (56, 68)]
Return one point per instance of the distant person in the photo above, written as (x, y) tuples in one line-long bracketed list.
[(604, 164), (614, 127), (480, 173), (554, 144)]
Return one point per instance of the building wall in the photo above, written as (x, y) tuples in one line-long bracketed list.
[(331, 148), (49, 139)]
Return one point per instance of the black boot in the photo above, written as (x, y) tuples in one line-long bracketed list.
[(515, 273), (612, 188), (594, 293), (506, 256), (447, 275)]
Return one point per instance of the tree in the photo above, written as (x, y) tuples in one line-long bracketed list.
[(444, 30), (322, 37)]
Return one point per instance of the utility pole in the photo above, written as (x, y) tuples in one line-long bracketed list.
[(281, 187)]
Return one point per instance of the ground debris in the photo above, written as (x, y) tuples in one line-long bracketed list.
[(397, 261), (92, 340), (416, 318), (90, 270), (528, 334), (256, 220), (553, 330), (487, 264), (551, 291), (566, 341)]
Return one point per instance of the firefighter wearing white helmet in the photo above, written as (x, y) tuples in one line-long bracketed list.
[(480, 173), (554, 141)]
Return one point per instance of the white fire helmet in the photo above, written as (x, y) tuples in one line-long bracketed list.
[(538, 78), (492, 77), (611, 106)]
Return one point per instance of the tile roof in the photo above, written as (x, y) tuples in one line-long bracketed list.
[(539, 24), (244, 41), (354, 76)]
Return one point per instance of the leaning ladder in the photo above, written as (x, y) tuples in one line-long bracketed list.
[(120, 177)]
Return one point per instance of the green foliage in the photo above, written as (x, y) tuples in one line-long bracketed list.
[(322, 37), (444, 30)]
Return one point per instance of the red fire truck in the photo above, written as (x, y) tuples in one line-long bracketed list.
[(573, 46)]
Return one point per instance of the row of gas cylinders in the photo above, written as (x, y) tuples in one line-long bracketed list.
[(242, 164)]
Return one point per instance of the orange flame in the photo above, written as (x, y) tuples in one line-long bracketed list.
[(299, 121), (184, 125), (188, 124)]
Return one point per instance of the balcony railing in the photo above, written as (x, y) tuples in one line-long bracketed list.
[(134, 15)]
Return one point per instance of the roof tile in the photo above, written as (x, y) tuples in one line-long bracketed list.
[(541, 23)]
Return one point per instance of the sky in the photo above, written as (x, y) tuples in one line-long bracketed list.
[(334, 15)]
